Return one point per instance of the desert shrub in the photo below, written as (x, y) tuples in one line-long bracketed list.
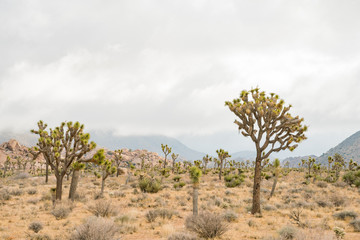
[(207, 225), (103, 208), (22, 175), (151, 216), (4, 195), (323, 203), (61, 211), (233, 180), (345, 214), (163, 213), (95, 228), (182, 236), (355, 224), (288, 232), (269, 208), (352, 177), (16, 192), (177, 178), (36, 226), (38, 237), (322, 184), (337, 200), (149, 185), (340, 184), (230, 216), (32, 191), (179, 185)]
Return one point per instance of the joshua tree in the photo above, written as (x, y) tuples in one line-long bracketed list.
[(107, 168), (166, 150), (174, 157), (267, 121), (276, 166), (206, 159), (309, 163), (330, 160), (61, 147), (339, 163), (352, 165), (195, 174), (222, 155), (6, 165), (118, 160)]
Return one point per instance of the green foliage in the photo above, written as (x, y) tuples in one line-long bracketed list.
[(233, 180), (179, 185), (195, 174), (149, 185), (177, 178), (352, 177)]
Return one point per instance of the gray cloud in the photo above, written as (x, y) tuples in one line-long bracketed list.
[(166, 67)]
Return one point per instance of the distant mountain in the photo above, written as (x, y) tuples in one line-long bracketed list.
[(349, 149), (151, 143), (294, 161)]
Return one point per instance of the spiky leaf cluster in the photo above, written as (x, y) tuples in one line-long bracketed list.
[(195, 174), (63, 145), (267, 121)]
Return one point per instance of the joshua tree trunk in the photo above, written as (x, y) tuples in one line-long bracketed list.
[(74, 183), (102, 186), (195, 199), (117, 172), (256, 188), (273, 186), (220, 172), (59, 181), (47, 173)]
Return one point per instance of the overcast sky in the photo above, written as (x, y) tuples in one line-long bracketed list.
[(167, 67)]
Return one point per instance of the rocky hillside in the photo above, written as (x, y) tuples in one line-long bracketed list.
[(349, 149), (151, 143), (13, 149), (294, 161)]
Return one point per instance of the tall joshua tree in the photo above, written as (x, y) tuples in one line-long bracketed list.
[(276, 174), (206, 159), (174, 157), (222, 155), (166, 150), (267, 121), (107, 168), (61, 147), (118, 160), (195, 174)]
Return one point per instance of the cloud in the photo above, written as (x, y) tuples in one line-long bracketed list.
[(167, 67)]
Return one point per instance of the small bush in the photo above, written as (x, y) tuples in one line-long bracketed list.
[(36, 226), (103, 208), (345, 214), (16, 192), (95, 228), (32, 191), (61, 212), (233, 180), (22, 175), (338, 200), (163, 213), (182, 236), (352, 177), (179, 185), (288, 232), (230, 216), (177, 178), (149, 185), (38, 237), (4, 195), (207, 225), (356, 225), (322, 184)]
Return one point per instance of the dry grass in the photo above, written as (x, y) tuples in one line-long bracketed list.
[(24, 201)]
